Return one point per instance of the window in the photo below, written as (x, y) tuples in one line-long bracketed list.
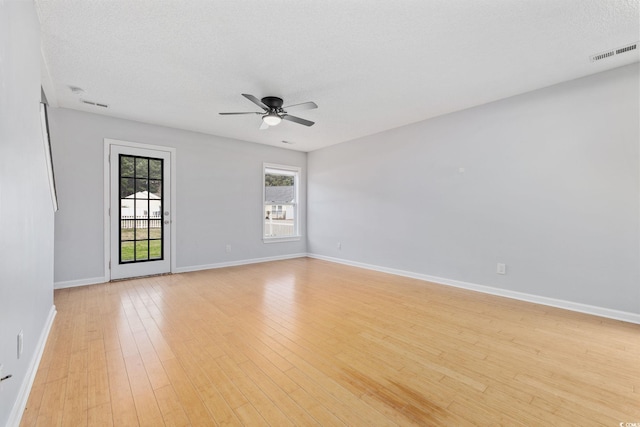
[(280, 203)]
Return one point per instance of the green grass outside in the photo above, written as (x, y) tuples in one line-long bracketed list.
[(144, 249)]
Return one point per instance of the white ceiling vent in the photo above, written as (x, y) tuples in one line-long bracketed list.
[(97, 104), (613, 52)]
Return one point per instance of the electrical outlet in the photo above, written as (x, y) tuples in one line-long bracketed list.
[(228, 248), (20, 344), (501, 268), (339, 246)]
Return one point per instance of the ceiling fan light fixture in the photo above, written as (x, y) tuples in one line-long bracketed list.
[(272, 118)]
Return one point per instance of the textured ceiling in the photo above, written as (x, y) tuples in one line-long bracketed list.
[(369, 65)]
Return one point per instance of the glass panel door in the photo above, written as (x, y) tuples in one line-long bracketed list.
[(140, 217)]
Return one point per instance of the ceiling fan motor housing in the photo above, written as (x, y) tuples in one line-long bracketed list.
[(273, 102)]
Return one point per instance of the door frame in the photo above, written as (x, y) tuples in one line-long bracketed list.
[(107, 199)]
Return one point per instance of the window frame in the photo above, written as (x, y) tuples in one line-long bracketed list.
[(296, 171)]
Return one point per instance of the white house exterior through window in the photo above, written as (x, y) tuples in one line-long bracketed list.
[(280, 203)]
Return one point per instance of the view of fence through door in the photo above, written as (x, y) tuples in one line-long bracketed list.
[(141, 214), (140, 211)]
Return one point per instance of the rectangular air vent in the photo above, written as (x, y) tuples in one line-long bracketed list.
[(626, 48), (97, 104), (613, 52), (600, 56)]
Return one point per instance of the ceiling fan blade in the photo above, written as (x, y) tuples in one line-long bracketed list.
[(255, 101), (248, 112), (297, 120), (300, 107), (264, 126)]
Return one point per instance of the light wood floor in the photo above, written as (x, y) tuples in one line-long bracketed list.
[(306, 342)]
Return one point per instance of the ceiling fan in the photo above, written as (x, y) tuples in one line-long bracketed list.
[(273, 111)]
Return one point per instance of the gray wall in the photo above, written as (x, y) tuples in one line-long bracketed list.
[(26, 212), (550, 187), (219, 194)]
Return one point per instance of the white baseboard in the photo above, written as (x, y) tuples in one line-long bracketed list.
[(96, 280), (23, 395), (552, 302), (80, 282), (238, 262)]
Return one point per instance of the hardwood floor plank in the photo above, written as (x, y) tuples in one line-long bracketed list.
[(230, 392), (277, 395), (256, 397), (208, 389), (187, 394), (333, 404), (76, 393), (122, 404), (249, 416), (172, 411), (51, 409), (100, 415), (319, 412), (97, 376), (143, 397)]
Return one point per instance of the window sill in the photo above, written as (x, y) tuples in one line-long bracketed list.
[(280, 239)]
